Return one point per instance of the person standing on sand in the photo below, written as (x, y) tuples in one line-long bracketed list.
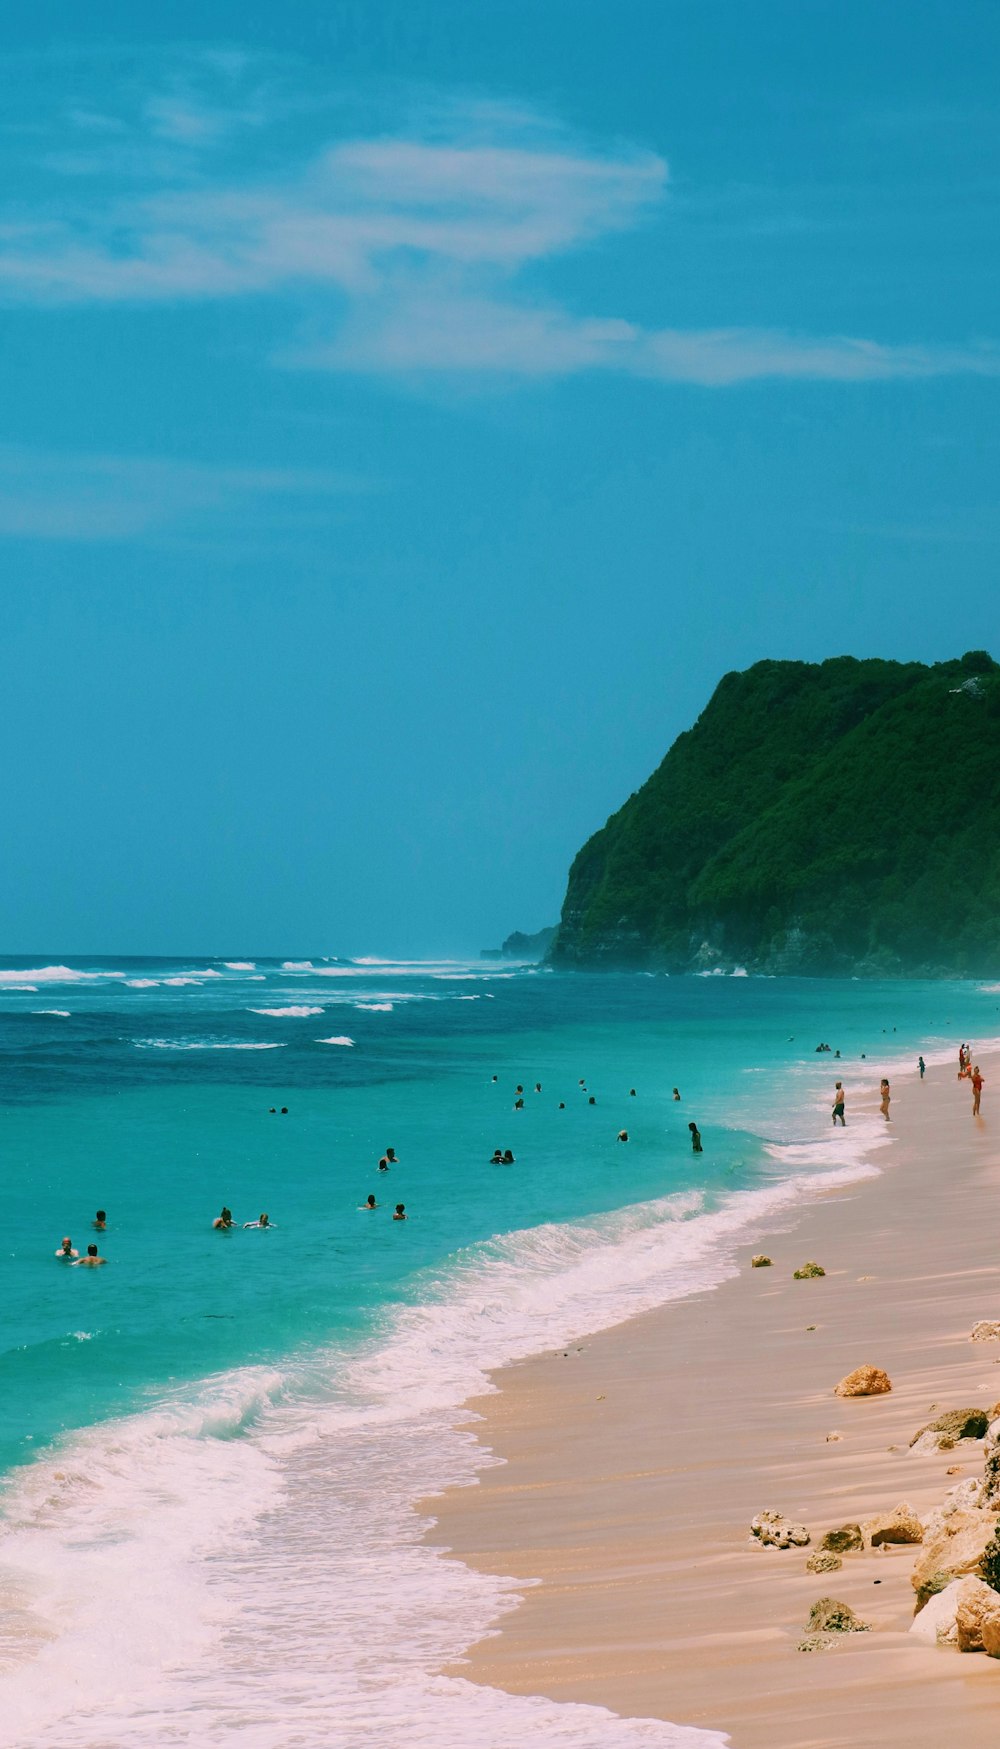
[(839, 1097), (884, 1108), (977, 1089), (922, 1066)]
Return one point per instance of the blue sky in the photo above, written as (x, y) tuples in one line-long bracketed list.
[(409, 413)]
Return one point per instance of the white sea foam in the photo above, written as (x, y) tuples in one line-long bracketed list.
[(143, 983), (375, 1007), (343, 1040), (297, 966), (214, 1533), (25, 989), (63, 1013), (50, 975), (240, 965), (202, 1044), (296, 1011), (177, 983)]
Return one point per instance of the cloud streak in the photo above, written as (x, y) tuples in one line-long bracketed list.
[(427, 243)]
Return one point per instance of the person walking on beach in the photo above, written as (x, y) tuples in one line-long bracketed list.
[(839, 1097), (696, 1147), (884, 1108), (922, 1066), (977, 1089)]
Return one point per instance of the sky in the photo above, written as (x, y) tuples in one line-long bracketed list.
[(410, 412)]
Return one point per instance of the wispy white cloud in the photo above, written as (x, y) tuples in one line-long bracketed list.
[(46, 495), (429, 242)]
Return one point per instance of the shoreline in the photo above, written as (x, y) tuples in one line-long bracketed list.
[(632, 1462)]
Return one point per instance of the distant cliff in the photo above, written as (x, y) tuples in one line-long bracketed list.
[(519, 946), (831, 818)]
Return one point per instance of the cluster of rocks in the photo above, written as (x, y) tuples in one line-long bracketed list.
[(956, 1577)]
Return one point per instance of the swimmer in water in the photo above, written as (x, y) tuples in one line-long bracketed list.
[(591, 1100), (66, 1250), (677, 1092), (696, 1146), (383, 1164), (497, 1159), (390, 1155), (519, 1088), (538, 1087), (623, 1135), (400, 1214), (369, 1203), (284, 1111), (261, 1221), (91, 1261), (101, 1221), (519, 1105), (631, 1092), (223, 1223), (508, 1158), (562, 1105), (492, 1077)]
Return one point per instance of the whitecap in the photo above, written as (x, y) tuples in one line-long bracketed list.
[(335, 1041), (240, 965), (297, 1010), (177, 982), (221, 1044), (297, 966), (143, 983), (375, 1007), (63, 1013)]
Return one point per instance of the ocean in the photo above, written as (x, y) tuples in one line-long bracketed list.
[(211, 1448)]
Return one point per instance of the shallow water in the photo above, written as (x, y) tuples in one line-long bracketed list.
[(212, 1445)]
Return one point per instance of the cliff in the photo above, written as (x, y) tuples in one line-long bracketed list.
[(832, 818)]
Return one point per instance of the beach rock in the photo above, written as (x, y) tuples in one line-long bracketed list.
[(760, 1261), (936, 1624), (833, 1438), (807, 1272), (845, 1540), (899, 1526), (829, 1616), (963, 1497), (776, 1532), (987, 1330), (816, 1643), (991, 1636), (991, 1468), (864, 1381), (956, 1553), (978, 1603), (954, 1425), (823, 1561)]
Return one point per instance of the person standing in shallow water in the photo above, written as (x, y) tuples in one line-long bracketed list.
[(884, 1107), (977, 1089), (696, 1147), (839, 1098)]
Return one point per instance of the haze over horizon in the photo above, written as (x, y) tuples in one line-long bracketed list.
[(409, 419)]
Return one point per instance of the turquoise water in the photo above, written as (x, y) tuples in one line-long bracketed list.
[(216, 1362)]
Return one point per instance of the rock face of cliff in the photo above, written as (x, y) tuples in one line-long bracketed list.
[(829, 819)]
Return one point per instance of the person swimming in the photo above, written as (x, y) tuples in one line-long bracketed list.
[(400, 1214), (261, 1221), (497, 1159), (519, 1105), (369, 1203), (623, 1135), (101, 1221), (562, 1105), (519, 1088), (631, 1092), (696, 1146), (508, 1158), (591, 1100), (66, 1250), (224, 1221), (677, 1092), (383, 1164), (92, 1260), (390, 1155), (538, 1087)]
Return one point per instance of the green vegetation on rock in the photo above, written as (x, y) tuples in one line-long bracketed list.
[(832, 818)]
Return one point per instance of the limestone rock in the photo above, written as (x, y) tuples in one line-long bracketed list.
[(936, 1624), (777, 1532), (760, 1261), (987, 1330), (991, 1636), (829, 1616), (898, 1526), (963, 1497), (957, 1552), (807, 1272), (954, 1425), (844, 1540), (823, 1561), (991, 1470), (816, 1643), (977, 1604), (864, 1381)]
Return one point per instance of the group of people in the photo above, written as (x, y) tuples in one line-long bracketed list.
[(93, 1259), (966, 1072)]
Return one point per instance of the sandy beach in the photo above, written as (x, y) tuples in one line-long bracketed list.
[(633, 1463)]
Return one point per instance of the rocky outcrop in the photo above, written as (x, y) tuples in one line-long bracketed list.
[(948, 1429), (776, 1532), (829, 1616), (978, 1604), (954, 1554), (937, 1623), (760, 1261), (864, 1381), (823, 1561), (808, 1271), (987, 1330), (898, 1526), (844, 1540)]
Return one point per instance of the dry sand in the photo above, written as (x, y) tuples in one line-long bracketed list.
[(634, 1464)]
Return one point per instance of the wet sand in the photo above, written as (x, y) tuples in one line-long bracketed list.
[(633, 1464)]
